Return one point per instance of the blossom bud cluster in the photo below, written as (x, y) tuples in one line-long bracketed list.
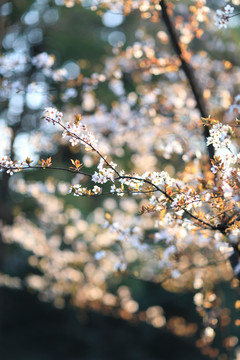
[(52, 115), (11, 166), (222, 17), (185, 201), (77, 131), (79, 134), (118, 191), (133, 184), (78, 190), (104, 174), (158, 178), (220, 136), (159, 202)]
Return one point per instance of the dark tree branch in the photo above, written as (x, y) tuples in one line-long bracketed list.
[(188, 70)]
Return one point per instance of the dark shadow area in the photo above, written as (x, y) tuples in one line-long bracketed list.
[(33, 330)]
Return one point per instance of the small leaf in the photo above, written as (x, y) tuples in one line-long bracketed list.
[(77, 119), (77, 164), (49, 161), (209, 121), (28, 160)]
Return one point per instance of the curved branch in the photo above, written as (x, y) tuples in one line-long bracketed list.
[(86, 143), (45, 168), (212, 227)]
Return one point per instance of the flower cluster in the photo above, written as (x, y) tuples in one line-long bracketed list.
[(220, 136), (185, 201), (11, 166), (78, 190), (104, 174), (79, 133), (52, 115), (222, 17), (119, 191), (158, 178), (226, 156)]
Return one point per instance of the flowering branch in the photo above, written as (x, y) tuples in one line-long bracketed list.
[(54, 116), (78, 134)]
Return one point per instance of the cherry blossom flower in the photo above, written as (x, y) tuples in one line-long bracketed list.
[(222, 17), (74, 141), (228, 9)]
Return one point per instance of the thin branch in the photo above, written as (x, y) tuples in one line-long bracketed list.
[(208, 225), (45, 168), (212, 227), (117, 193), (147, 182), (90, 145), (157, 188), (231, 16)]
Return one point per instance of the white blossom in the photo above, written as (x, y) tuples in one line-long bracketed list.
[(52, 115), (222, 17)]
